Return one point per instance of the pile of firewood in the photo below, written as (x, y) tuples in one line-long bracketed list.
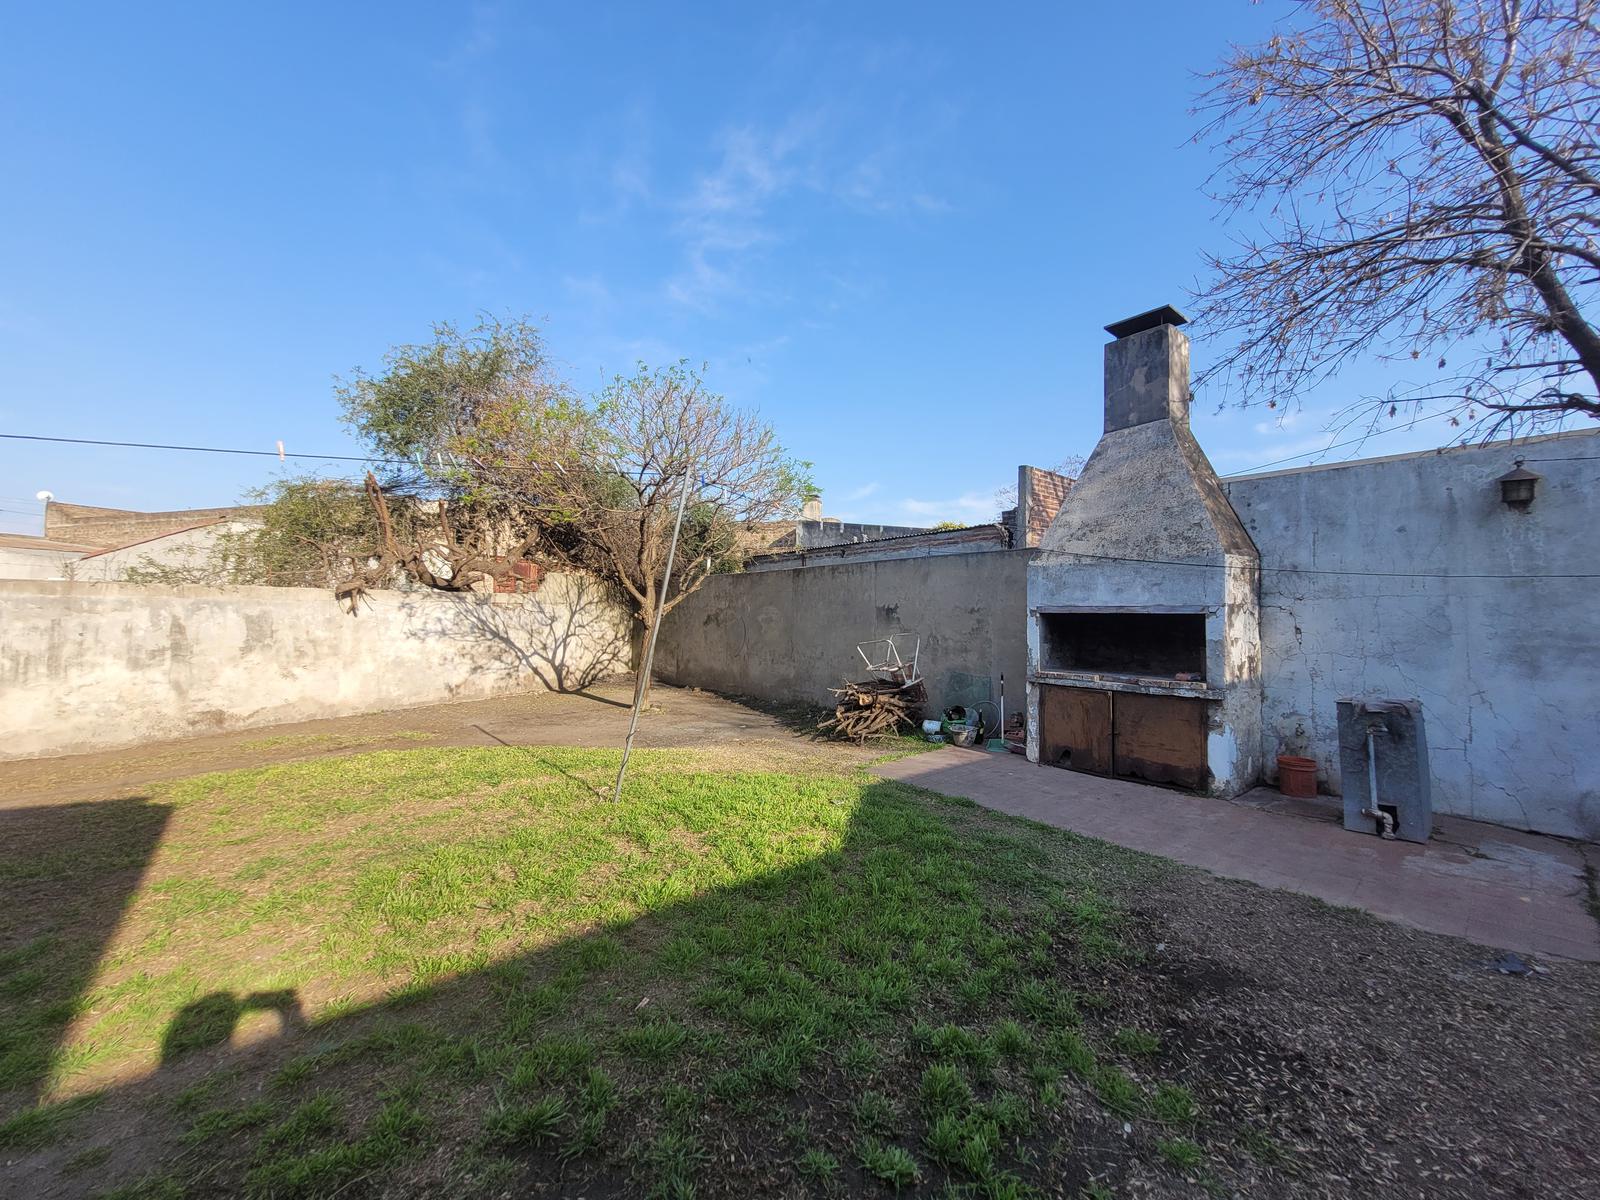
[(875, 708)]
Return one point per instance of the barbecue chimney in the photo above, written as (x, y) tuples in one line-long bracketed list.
[(1144, 638)]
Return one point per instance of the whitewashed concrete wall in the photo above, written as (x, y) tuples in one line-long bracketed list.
[(88, 666), (1408, 577)]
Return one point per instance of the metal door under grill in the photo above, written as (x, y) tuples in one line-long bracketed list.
[(1131, 735)]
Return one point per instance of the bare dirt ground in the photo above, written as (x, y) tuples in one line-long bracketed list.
[(678, 718)]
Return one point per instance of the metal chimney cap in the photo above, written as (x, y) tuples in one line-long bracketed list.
[(1165, 315)]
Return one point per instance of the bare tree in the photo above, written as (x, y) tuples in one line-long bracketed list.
[(608, 486), (1428, 172)]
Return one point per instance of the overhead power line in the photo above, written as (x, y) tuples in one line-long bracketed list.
[(406, 462), (366, 460), (357, 458), (29, 437)]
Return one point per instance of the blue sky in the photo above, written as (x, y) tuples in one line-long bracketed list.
[(895, 229)]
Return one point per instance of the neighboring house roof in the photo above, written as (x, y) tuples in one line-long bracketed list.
[(766, 535), (987, 526), (900, 545), (102, 528), (28, 541), (1509, 445), (156, 537)]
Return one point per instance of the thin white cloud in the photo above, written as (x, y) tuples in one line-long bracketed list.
[(1280, 423), (630, 174), (621, 355), (861, 493), (726, 219), (478, 134), (481, 39), (465, 68), (623, 178), (877, 184), (970, 508), (591, 289), (612, 170), (723, 220), (1244, 456)]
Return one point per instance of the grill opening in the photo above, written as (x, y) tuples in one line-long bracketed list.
[(1153, 645)]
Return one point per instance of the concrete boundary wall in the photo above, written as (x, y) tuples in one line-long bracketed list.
[(790, 634), (1408, 577), (91, 666), (1403, 577)]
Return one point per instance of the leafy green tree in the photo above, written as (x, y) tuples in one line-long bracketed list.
[(314, 532), (441, 419), (483, 456), (433, 401), (427, 513)]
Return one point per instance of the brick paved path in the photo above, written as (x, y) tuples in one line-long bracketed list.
[(1495, 886)]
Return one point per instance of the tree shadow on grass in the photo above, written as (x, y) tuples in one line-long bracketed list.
[(51, 943), (710, 1041)]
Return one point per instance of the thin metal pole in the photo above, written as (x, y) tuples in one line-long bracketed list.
[(642, 684)]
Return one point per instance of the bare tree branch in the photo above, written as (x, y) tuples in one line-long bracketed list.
[(1426, 175)]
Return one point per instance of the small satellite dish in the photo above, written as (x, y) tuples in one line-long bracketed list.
[(45, 496)]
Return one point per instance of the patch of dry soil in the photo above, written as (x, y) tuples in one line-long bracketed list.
[(1387, 1061)]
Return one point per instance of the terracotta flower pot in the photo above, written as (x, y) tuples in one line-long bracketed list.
[(1297, 776)]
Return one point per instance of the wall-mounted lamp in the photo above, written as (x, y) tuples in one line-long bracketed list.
[(1517, 486)]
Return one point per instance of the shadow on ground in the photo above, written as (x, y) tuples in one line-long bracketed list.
[(894, 992), (796, 717), (714, 1041), (112, 843)]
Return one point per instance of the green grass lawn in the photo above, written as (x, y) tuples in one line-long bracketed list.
[(460, 971)]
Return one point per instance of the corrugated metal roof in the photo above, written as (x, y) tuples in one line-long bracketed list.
[(897, 537)]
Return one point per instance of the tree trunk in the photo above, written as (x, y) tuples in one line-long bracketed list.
[(641, 668), (641, 690)]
